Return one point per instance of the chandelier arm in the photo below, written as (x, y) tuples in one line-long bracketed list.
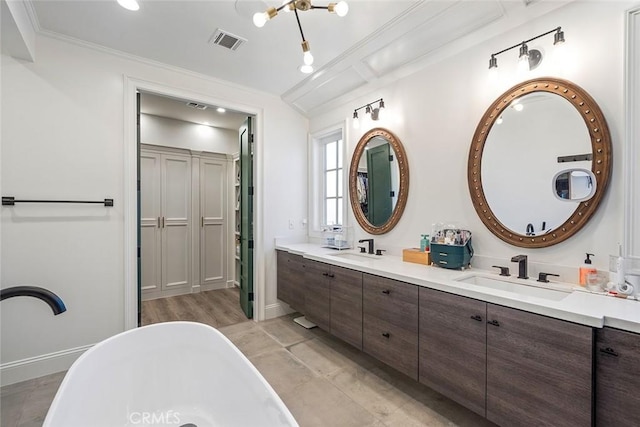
[(299, 25), (320, 7), (284, 5)]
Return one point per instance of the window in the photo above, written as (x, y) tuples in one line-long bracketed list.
[(333, 193), (327, 191)]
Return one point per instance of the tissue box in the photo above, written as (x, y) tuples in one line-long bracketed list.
[(416, 255)]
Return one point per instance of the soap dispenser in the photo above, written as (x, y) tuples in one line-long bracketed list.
[(586, 269)]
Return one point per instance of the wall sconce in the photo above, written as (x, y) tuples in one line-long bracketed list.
[(376, 112), (529, 58)]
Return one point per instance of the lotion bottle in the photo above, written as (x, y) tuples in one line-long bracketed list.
[(586, 269)]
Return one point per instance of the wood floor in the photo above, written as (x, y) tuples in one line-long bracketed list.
[(215, 308)]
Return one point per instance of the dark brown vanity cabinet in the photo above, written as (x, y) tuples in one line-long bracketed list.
[(539, 370), (346, 305), (317, 288), (617, 378), (453, 347), (291, 280), (390, 322)]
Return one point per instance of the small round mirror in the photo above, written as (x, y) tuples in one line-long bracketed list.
[(574, 185)]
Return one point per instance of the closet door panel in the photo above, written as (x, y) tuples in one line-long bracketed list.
[(213, 193), (150, 214), (176, 227)]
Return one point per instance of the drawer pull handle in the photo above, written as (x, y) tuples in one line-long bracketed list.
[(444, 254), (442, 262), (325, 274), (494, 322), (331, 275), (386, 292), (609, 351), (476, 317), (386, 334)]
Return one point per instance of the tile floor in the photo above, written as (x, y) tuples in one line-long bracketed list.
[(323, 382)]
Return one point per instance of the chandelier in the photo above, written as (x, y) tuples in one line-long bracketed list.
[(259, 19)]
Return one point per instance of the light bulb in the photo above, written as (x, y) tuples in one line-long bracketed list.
[(341, 9), (308, 58), (259, 19), (221, 110), (129, 4), (381, 113), (499, 120), (517, 106), (306, 69)]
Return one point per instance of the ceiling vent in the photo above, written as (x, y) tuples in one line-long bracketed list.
[(196, 106), (226, 39)]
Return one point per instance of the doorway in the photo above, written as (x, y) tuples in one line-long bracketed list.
[(183, 281)]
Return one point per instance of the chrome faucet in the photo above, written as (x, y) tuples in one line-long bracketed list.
[(522, 266), (54, 301), (370, 241)]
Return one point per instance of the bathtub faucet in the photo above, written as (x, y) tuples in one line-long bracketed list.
[(45, 295)]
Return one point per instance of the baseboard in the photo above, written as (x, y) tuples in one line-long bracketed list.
[(213, 286), (38, 366), (278, 309)]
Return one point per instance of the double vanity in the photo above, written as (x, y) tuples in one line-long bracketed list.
[(515, 351)]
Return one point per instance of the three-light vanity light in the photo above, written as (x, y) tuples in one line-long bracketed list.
[(528, 58), (375, 112), (259, 19)]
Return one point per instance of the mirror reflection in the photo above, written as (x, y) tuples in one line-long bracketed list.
[(524, 151), (574, 185), (378, 181)]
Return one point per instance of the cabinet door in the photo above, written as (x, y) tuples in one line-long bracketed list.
[(453, 347), (346, 305), (390, 323), (617, 378), (150, 223), (291, 287), (539, 370), (176, 223), (213, 236), (317, 303)]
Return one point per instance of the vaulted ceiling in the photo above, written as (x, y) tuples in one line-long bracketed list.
[(376, 41)]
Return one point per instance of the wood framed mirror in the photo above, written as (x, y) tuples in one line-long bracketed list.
[(378, 181), (530, 134)]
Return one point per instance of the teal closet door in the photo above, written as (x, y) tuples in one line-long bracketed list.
[(379, 198)]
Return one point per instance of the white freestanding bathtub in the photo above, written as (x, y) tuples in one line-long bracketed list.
[(167, 374)]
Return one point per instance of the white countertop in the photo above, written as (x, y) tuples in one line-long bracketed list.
[(580, 306)]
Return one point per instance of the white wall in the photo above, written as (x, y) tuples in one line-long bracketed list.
[(63, 138), (434, 112), (179, 134)]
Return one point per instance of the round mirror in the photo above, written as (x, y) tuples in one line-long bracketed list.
[(528, 138), (378, 181)]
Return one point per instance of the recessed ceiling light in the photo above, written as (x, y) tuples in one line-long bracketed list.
[(129, 4), (220, 110)]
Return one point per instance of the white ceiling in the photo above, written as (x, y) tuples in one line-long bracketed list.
[(378, 40), (178, 109)]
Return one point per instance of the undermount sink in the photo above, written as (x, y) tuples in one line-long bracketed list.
[(524, 288), (356, 257)]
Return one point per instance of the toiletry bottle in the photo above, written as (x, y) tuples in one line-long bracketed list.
[(586, 269), (427, 247), (423, 242)]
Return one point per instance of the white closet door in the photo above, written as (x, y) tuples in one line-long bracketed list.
[(213, 194), (150, 217), (176, 208)]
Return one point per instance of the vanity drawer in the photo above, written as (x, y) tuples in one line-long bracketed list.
[(394, 345), (390, 300)]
